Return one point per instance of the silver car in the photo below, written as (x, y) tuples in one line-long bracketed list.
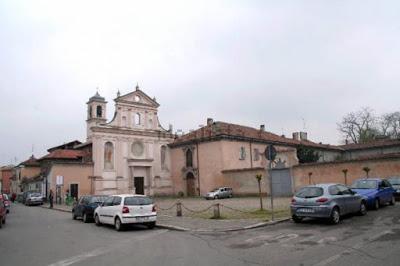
[(34, 198), (326, 201), (220, 193)]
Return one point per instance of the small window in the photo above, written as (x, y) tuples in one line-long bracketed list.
[(333, 190), (108, 156), (136, 119), (256, 154), (117, 201), (99, 111), (109, 201), (134, 201), (344, 190), (242, 155), (189, 158), (310, 192), (124, 121)]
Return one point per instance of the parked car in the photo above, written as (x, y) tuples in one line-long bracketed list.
[(377, 191), (326, 201), (3, 212), (25, 196), (120, 210), (34, 198), (85, 207), (7, 202), (395, 182), (220, 193)]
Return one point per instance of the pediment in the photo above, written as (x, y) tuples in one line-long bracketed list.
[(137, 97)]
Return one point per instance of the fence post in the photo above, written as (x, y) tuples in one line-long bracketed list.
[(216, 211), (178, 209)]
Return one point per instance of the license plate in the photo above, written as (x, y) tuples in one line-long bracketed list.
[(142, 219), (305, 210)]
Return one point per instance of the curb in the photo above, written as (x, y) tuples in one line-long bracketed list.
[(253, 226), (56, 209)]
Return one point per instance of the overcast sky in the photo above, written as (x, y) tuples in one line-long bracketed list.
[(285, 64)]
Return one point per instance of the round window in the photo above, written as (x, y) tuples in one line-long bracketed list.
[(137, 98), (137, 148)]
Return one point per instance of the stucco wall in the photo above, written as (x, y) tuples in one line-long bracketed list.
[(73, 174), (332, 172)]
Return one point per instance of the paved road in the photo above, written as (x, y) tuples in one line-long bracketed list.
[(36, 236)]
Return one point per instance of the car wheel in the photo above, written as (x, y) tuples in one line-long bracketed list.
[(297, 219), (73, 216), (4, 220), (392, 201), (97, 220), (85, 218), (363, 209), (376, 204), (118, 224), (216, 197), (151, 225), (1, 224), (335, 216)]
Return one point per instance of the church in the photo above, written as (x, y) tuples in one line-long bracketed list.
[(130, 152)]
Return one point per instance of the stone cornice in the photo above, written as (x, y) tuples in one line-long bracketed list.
[(132, 132)]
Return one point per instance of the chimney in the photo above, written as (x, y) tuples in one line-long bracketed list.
[(210, 121), (262, 128), (296, 135), (303, 135)]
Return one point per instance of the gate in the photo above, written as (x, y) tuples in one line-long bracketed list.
[(282, 182)]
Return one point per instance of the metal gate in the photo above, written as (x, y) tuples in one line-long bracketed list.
[(282, 182)]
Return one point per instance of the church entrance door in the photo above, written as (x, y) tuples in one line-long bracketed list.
[(190, 184), (139, 185)]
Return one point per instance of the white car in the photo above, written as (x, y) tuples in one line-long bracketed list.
[(120, 210)]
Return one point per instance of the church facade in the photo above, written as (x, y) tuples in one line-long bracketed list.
[(131, 152)]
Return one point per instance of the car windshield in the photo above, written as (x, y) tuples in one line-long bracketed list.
[(132, 201), (98, 199), (310, 192), (364, 184), (215, 190), (394, 181)]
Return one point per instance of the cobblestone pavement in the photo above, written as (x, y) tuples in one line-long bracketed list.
[(196, 213)]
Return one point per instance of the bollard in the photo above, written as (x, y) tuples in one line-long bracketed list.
[(179, 209), (216, 211)]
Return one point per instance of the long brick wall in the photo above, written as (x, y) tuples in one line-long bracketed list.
[(332, 172)]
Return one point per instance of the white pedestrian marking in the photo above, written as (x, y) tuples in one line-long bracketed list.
[(101, 251)]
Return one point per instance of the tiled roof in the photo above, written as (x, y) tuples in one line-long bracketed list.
[(63, 154), (371, 145), (67, 145), (222, 129), (32, 161)]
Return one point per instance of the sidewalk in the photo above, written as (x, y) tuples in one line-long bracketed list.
[(199, 221)]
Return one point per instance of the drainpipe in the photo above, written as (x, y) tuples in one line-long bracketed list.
[(198, 166), (251, 156)]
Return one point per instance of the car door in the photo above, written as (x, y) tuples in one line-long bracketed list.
[(105, 211), (338, 197), (78, 207), (116, 208), (347, 199), (381, 193), (387, 190)]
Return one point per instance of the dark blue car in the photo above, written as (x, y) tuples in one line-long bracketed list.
[(85, 207), (376, 191)]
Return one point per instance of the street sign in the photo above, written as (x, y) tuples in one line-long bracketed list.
[(270, 153)]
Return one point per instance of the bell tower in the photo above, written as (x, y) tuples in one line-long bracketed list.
[(96, 112)]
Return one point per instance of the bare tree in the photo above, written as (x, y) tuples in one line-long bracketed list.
[(389, 125), (359, 127)]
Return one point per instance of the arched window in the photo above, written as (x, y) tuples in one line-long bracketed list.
[(99, 111), (136, 119), (189, 158), (90, 112), (163, 155), (108, 156)]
